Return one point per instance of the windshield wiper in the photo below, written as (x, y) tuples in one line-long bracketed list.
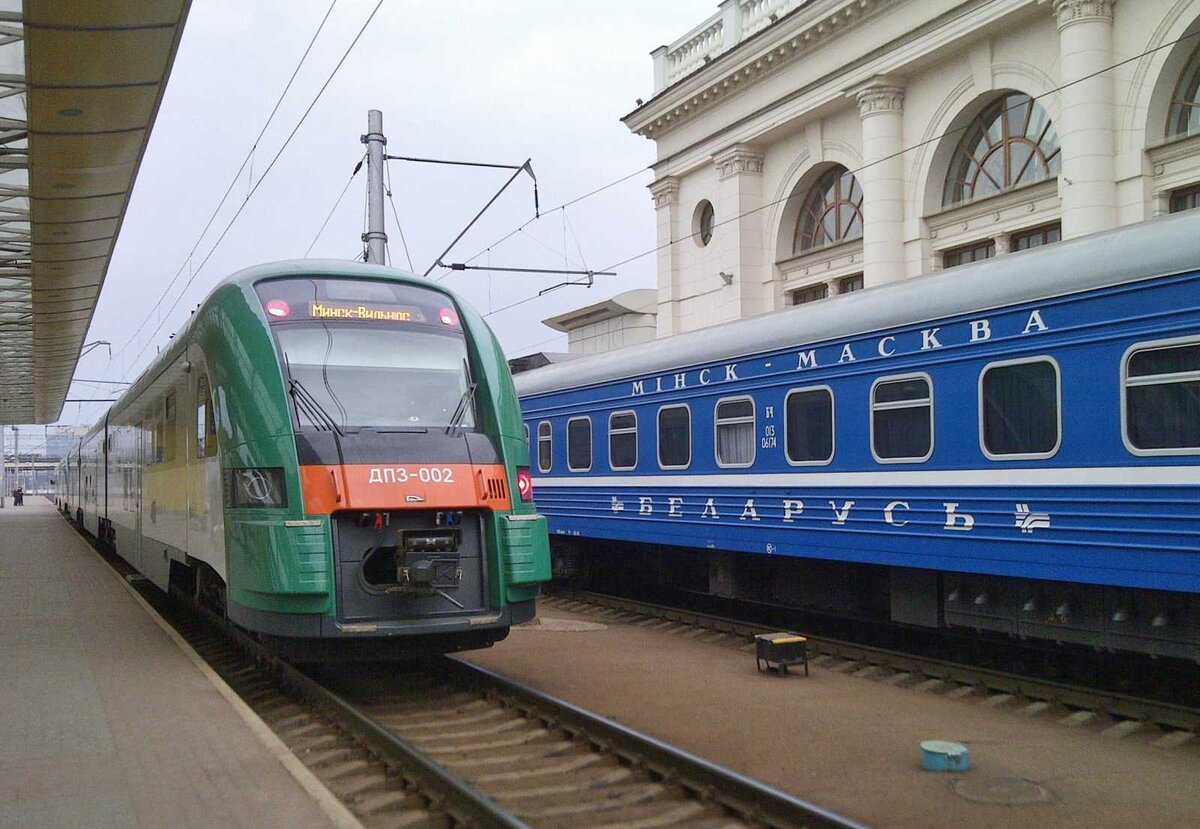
[(464, 406), (312, 407)]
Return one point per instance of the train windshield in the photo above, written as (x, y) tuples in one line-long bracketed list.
[(375, 355)]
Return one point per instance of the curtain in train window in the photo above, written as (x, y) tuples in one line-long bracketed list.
[(902, 419), (674, 437), (579, 444), (622, 440), (1020, 409), (1162, 398), (545, 447), (735, 432), (808, 421)]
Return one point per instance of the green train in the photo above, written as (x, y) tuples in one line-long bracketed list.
[(330, 454)]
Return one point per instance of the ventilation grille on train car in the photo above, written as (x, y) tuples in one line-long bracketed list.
[(492, 488)]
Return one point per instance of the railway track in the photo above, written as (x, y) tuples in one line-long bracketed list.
[(1167, 724), (441, 742)]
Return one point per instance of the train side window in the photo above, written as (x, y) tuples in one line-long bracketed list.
[(526, 435), (206, 421), (579, 444), (622, 440), (902, 419), (545, 447), (808, 425), (1020, 415), (674, 437), (733, 427), (1161, 398)]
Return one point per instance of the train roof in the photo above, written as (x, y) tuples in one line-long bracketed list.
[(323, 267), (1158, 247)]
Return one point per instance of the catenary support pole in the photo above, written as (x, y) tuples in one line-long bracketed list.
[(375, 237)]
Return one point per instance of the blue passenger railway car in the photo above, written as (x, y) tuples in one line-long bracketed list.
[(1009, 446)]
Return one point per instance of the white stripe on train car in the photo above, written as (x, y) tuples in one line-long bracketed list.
[(1078, 476)]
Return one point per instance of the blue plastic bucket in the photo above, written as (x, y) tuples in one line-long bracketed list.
[(939, 755)]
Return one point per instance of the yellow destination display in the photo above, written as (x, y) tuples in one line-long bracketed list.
[(327, 310)]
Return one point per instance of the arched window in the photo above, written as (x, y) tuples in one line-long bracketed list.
[(1184, 117), (832, 212), (1011, 143)]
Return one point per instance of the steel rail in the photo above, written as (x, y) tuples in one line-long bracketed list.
[(743, 798), (750, 800), (466, 804), (1116, 705)]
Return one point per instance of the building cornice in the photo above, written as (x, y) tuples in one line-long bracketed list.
[(1031, 200), (1173, 150), (764, 54)]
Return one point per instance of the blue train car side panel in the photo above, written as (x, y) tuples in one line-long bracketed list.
[(1103, 329)]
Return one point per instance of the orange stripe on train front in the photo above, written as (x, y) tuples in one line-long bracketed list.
[(365, 486)]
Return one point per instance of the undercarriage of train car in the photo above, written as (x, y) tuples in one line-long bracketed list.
[(783, 589)]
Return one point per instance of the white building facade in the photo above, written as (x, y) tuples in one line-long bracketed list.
[(811, 148)]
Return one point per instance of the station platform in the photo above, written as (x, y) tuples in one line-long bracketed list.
[(851, 743), (107, 721)]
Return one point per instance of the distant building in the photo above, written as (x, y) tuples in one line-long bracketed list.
[(626, 319), (809, 149), (61, 439)]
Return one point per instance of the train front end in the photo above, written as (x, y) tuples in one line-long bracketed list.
[(414, 518)]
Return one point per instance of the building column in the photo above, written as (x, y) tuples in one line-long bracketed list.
[(665, 192), (1085, 132), (740, 252), (881, 110)]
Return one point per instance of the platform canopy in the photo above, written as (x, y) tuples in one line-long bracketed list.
[(80, 85)]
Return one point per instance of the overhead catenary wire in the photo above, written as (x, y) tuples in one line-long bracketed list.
[(926, 142), (267, 171), (396, 215), (332, 210), (248, 160)]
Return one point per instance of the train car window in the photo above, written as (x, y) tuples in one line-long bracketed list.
[(1019, 409), (579, 444), (622, 440), (545, 447), (526, 435), (1161, 393), (734, 432), (206, 421), (902, 419), (808, 425), (160, 440), (674, 437)]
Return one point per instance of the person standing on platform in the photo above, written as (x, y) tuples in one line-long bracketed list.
[(18, 497)]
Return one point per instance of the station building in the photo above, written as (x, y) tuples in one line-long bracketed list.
[(809, 148)]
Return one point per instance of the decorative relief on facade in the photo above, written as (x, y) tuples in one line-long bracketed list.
[(665, 192), (738, 160), (882, 98), (1080, 11)]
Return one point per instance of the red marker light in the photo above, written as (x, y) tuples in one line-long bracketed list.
[(524, 483), (448, 317), (278, 308)]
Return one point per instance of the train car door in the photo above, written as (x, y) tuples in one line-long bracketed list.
[(139, 462)]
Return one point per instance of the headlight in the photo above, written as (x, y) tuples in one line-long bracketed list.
[(255, 487)]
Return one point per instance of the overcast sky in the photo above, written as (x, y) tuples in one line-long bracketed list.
[(486, 80)]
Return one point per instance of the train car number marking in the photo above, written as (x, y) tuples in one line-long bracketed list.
[(403, 474)]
